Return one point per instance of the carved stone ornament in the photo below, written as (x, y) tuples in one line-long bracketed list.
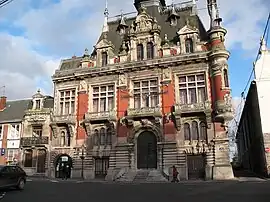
[(167, 75), (35, 118), (228, 99), (83, 86), (122, 80)]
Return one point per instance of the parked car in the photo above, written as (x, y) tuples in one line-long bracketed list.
[(12, 176)]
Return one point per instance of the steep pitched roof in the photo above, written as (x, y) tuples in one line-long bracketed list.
[(14, 111), (161, 17)]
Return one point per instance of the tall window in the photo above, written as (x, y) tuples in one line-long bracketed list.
[(37, 131), (104, 59), (140, 52), (146, 93), (109, 136), (226, 79), (67, 102), (203, 131), (150, 50), (192, 89), (96, 137), (102, 136), (189, 46), (187, 131), (28, 158), (103, 98), (65, 139), (12, 154), (195, 131), (38, 104)]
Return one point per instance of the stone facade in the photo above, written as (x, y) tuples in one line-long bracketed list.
[(36, 136), (154, 93)]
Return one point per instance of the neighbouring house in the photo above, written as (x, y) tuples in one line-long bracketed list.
[(253, 134), (11, 116), (35, 139)]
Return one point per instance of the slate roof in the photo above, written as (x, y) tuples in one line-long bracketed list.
[(161, 17), (15, 110)]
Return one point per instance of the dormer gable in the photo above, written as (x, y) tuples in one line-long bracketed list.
[(38, 100)]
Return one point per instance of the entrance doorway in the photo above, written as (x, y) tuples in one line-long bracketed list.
[(146, 150), (196, 167), (41, 160), (64, 162), (101, 167)]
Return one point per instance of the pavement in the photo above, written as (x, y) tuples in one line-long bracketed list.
[(82, 191)]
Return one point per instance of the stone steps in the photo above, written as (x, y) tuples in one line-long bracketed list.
[(141, 176)]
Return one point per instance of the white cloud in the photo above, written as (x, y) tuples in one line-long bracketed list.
[(66, 28)]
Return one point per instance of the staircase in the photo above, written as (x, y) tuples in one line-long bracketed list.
[(141, 176), (156, 176), (128, 176)]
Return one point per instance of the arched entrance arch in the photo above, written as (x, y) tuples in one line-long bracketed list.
[(63, 164), (146, 150)]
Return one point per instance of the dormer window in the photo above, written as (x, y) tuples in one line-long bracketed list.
[(150, 50), (189, 46), (38, 104), (140, 52), (104, 59)]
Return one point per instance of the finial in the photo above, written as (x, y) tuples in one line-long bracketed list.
[(86, 51), (263, 44), (38, 91), (187, 21), (106, 12)]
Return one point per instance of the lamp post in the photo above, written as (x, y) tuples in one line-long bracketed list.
[(82, 156)]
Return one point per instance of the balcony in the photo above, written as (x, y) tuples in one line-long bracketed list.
[(34, 141), (144, 112), (193, 108), (101, 116), (64, 119)]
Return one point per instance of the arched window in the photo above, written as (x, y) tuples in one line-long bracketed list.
[(96, 138), (63, 139), (140, 52), (150, 50), (109, 136), (226, 79), (104, 59), (203, 131), (195, 131), (28, 158), (102, 136), (186, 131), (189, 45)]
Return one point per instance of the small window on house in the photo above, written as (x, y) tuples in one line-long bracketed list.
[(186, 131), (140, 52), (38, 105), (189, 45), (150, 50), (28, 158), (195, 131), (104, 59), (226, 79), (37, 131)]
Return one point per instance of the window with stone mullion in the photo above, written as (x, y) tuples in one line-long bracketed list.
[(192, 89), (103, 98), (37, 131), (67, 102), (145, 93)]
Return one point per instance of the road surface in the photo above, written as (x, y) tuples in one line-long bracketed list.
[(67, 191)]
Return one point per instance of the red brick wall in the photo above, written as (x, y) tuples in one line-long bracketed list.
[(122, 106), (82, 108)]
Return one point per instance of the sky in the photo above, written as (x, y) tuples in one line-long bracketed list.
[(36, 35)]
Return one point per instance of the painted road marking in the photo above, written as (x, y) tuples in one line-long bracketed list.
[(29, 180), (55, 181)]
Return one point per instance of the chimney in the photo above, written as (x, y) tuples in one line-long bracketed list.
[(3, 101)]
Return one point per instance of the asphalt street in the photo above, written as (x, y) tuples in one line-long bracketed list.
[(66, 191)]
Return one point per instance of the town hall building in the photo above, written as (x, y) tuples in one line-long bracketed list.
[(153, 93)]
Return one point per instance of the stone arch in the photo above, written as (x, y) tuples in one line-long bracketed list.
[(58, 156), (137, 130), (63, 165)]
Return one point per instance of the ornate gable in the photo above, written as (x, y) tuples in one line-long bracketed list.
[(187, 29), (143, 21), (104, 43)]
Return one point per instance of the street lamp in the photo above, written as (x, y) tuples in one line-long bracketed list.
[(82, 156)]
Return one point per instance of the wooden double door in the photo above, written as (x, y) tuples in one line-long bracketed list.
[(196, 167)]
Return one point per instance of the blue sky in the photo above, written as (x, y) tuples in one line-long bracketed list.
[(35, 35)]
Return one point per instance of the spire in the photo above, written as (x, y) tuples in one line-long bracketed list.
[(213, 11), (122, 24), (106, 16)]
